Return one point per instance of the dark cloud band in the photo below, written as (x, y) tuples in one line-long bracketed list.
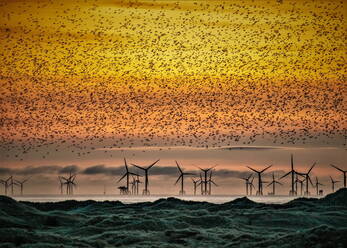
[(114, 171)]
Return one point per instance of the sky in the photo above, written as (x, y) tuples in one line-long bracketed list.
[(84, 84)]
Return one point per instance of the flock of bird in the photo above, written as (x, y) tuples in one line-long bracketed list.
[(78, 77), (204, 180)]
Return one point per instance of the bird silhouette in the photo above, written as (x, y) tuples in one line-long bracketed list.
[(82, 76)]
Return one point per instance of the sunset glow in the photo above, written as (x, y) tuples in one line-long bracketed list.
[(81, 76)]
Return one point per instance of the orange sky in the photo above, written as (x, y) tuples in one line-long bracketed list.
[(80, 75)]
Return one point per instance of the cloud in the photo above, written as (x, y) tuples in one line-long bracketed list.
[(193, 148), (259, 148), (4, 171), (250, 147), (231, 173), (102, 169), (68, 169), (119, 170), (30, 170), (165, 170), (35, 170)]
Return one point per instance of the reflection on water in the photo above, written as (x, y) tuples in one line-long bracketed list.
[(136, 199)]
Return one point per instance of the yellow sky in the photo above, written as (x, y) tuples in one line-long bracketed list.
[(164, 39), (206, 72)]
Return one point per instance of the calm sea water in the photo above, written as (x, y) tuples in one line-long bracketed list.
[(135, 199)]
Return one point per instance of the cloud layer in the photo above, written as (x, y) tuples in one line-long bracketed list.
[(115, 171)]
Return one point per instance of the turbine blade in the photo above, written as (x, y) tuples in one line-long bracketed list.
[(122, 177), (285, 175), (311, 167), (265, 169), (130, 173), (211, 167), (152, 164), (126, 165), (137, 166), (252, 169), (309, 178), (179, 168), (178, 179), (337, 168), (73, 178)]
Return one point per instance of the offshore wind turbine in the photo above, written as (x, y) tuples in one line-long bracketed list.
[(21, 184), (251, 186), (210, 182), (122, 190), (3, 182), (317, 184), (247, 182), (12, 184), (344, 174), (292, 173), (333, 182), (182, 174), (205, 181), (307, 178), (273, 183), (196, 183), (133, 186), (9, 182), (301, 184), (297, 181), (260, 182), (61, 180), (146, 191), (201, 184), (126, 175), (66, 182), (71, 183), (137, 181), (6, 184)]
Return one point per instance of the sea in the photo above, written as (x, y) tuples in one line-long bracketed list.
[(128, 199)]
